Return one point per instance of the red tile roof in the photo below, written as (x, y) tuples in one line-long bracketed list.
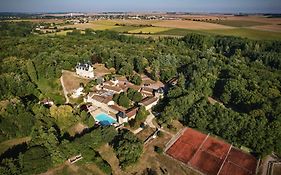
[(117, 108), (98, 98), (148, 100), (131, 112), (112, 88), (147, 89)]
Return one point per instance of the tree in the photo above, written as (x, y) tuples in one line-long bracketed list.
[(141, 114), (36, 160), (134, 95), (115, 98), (128, 148), (64, 116), (31, 71), (136, 79), (137, 97), (124, 100)]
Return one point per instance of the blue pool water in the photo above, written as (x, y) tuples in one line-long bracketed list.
[(105, 119)]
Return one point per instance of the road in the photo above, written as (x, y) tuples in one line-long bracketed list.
[(64, 90), (149, 120)]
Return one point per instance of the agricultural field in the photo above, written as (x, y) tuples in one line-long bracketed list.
[(248, 33), (187, 24), (239, 32), (252, 27), (239, 23), (124, 29), (92, 26), (149, 30)]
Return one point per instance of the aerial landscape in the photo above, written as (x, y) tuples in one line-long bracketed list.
[(179, 87)]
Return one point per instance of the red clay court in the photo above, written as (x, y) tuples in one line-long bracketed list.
[(209, 155)]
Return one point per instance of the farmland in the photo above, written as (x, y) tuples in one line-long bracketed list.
[(252, 27), (148, 30), (239, 23)]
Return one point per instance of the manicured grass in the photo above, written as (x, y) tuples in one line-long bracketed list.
[(149, 30), (10, 143), (239, 23), (239, 32)]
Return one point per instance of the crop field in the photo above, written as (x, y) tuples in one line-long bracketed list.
[(274, 28), (247, 33), (123, 29), (252, 27), (93, 26), (136, 22), (187, 24), (239, 23), (151, 30), (239, 32)]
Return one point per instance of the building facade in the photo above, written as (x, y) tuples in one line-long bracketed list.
[(85, 70)]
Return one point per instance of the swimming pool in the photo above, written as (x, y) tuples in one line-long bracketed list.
[(105, 119)]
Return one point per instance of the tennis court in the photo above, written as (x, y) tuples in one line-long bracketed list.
[(209, 155)]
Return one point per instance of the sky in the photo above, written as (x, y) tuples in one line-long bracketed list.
[(224, 6)]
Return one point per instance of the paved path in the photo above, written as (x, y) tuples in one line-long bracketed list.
[(137, 130), (64, 90), (167, 132), (265, 164), (149, 120)]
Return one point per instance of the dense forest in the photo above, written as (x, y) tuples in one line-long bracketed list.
[(243, 75)]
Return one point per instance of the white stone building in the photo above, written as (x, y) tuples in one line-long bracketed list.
[(85, 70)]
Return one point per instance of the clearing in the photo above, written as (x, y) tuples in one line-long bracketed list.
[(72, 81), (10, 143), (100, 70)]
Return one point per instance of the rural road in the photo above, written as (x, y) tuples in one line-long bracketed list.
[(64, 89)]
